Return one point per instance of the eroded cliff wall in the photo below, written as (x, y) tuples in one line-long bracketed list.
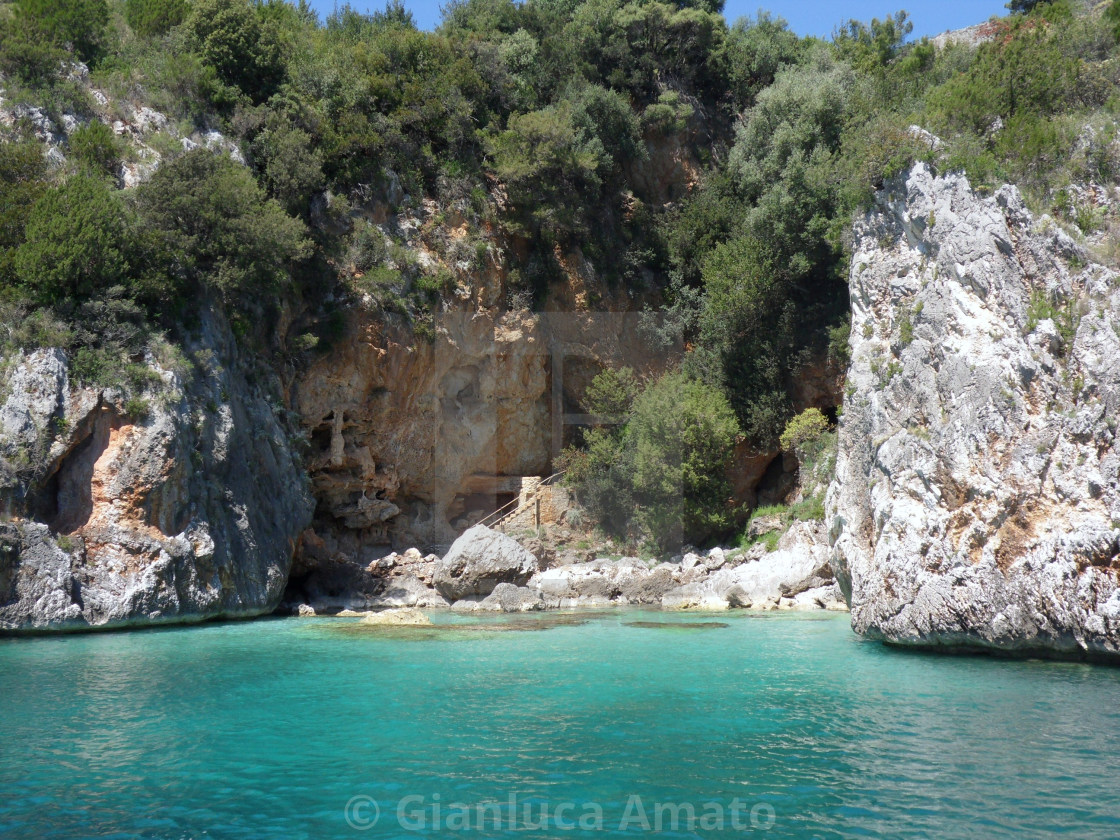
[(183, 505), (975, 501)]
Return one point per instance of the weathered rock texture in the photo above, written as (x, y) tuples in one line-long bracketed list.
[(975, 500), (123, 513), (479, 561)]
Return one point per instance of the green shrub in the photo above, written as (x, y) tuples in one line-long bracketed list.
[(27, 53), (905, 329), (22, 181), (681, 433), (549, 167), (244, 50), (668, 115), (79, 23), (289, 165), (804, 430), (755, 50), (218, 226), (611, 394), (95, 146), (76, 243), (137, 408), (154, 17), (809, 509), (661, 475)]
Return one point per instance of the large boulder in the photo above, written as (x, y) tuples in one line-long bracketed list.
[(478, 561), (975, 502)]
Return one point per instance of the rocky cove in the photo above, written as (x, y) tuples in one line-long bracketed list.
[(406, 410), (968, 507)]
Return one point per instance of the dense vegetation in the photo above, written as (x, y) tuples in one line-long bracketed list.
[(532, 119)]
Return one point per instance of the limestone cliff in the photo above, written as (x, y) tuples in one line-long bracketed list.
[(975, 501), (179, 505)]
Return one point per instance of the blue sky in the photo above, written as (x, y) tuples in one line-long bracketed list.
[(806, 17)]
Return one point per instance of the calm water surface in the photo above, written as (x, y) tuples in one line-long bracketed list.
[(294, 728)]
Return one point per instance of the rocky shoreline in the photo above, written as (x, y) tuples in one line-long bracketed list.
[(488, 571)]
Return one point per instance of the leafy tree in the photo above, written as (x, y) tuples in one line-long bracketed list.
[(220, 228), (22, 181), (605, 121), (785, 161), (154, 17), (803, 430), (611, 394), (755, 50), (26, 53), (549, 167), (78, 24), (244, 51), (749, 334), (681, 434), (1112, 16), (872, 47), (76, 242), (289, 165), (660, 475)]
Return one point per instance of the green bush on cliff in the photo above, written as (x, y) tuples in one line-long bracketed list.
[(96, 147), (218, 228), (155, 17), (79, 24), (22, 180), (243, 47), (75, 244)]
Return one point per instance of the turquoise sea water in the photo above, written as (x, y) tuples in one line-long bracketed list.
[(778, 726)]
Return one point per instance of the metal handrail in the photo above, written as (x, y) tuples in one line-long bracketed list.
[(490, 521)]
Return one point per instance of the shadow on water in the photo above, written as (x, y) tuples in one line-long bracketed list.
[(674, 625)]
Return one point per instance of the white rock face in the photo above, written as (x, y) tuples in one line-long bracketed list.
[(800, 564), (975, 500)]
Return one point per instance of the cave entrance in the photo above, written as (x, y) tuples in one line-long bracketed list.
[(65, 502)]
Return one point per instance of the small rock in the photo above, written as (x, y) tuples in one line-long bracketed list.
[(762, 525), (306, 611)]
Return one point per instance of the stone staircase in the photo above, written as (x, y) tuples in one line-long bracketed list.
[(542, 501)]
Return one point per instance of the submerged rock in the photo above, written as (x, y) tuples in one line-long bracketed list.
[(400, 617), (975, 501), (509, 598)]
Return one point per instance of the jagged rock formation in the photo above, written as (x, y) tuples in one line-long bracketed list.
[(183, 507), (975, 501)]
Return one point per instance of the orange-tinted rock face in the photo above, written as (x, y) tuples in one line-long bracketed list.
[(187, 510), (398, 429)]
